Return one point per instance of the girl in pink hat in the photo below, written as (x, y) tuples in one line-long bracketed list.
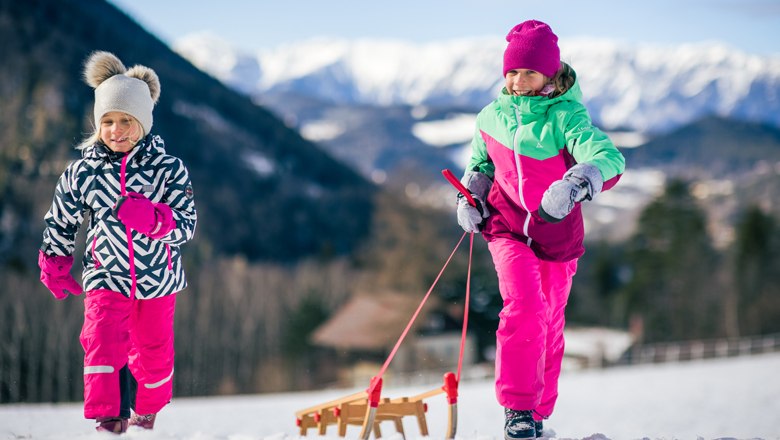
[(535, 157), (141, 210)]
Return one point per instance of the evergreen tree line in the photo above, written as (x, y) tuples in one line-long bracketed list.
[(230, 327), (671, 279), (244, 327)]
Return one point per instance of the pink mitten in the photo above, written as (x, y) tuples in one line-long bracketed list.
[(55, 275), (137, 212)]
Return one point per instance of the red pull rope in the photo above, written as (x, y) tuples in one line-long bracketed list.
[(465, 309), (417, 312), (466, 193)]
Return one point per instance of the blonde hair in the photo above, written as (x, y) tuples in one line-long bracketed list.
[(94, 137), (563, 80), (90, 140)]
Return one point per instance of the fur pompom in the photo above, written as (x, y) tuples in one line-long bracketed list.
[(101, 66), (148, 76)]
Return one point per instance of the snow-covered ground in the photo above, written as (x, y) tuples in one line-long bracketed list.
[(725, 398)]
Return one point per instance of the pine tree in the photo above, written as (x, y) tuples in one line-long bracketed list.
[(756, 261), (674, 266)]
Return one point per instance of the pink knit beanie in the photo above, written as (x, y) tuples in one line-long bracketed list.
[(532, 45)]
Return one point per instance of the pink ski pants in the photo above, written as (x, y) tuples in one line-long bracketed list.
[(529, 339), (120, 331)]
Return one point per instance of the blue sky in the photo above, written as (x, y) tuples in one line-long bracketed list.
[(750, 25)]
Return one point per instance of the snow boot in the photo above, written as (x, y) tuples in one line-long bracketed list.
[(114, 425), (539, 427), (143, 421), (519, 425)]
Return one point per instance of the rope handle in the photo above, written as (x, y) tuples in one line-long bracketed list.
[(459, 186)]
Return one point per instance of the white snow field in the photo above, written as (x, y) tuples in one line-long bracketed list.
[(709, 399)]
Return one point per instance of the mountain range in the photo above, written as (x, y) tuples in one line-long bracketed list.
[(262, 191), (334, 119), (400, 112), (637, 87)]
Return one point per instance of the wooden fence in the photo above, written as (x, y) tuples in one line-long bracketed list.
[(704, 349)]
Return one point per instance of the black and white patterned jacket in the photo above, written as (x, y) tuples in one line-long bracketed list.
[(118, 258)]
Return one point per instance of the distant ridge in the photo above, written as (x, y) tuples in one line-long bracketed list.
[(637, 87)]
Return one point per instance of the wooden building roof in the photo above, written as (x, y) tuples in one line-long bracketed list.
[(371, 322)]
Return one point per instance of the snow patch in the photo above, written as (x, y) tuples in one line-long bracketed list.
[(260, 163), (320, 131), (627, 139), (453, 130), (202, 113)]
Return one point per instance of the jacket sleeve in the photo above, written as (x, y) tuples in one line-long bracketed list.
[(479, 160), (65, 215), (588, 144), (180, 197)]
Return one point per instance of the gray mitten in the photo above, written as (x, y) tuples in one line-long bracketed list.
[(582, 182), (471, 218)]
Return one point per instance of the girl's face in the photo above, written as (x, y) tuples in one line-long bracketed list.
[(119, 131), (524, 82)]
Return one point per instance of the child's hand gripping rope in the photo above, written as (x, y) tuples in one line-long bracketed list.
[(472, 192)]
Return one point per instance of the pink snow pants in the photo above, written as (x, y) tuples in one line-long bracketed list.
[(120, 331), (529, 339)]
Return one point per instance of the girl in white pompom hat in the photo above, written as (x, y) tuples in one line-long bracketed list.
[(141, 210)]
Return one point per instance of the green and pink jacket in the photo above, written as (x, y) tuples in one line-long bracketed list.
[(525, 143)]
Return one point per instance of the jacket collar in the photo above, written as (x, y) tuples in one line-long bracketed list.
[(148, 146), (537, 104)]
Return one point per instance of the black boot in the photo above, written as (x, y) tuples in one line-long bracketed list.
[(519, 425), (539, 427), (116, 425)]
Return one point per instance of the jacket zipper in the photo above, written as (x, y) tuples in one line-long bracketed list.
[(128, 231), (94, 255), (516, 151)]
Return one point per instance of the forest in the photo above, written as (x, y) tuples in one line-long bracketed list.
[(244, 327)]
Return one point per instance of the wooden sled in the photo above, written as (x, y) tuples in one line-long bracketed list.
[(368, 409), (358, 409)]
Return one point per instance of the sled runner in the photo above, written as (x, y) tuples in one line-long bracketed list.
[(367, 408)]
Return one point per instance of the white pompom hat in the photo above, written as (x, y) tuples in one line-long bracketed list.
[(134, 91)]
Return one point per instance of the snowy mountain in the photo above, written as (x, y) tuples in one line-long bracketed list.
[(399, 112), (727, 398), (637, 87)]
